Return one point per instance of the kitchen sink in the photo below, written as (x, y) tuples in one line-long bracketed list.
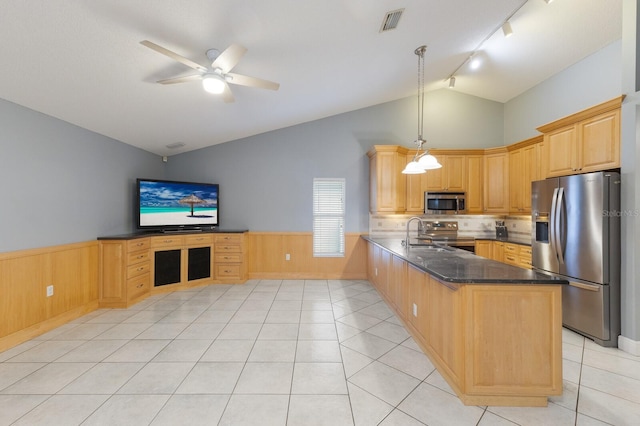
[(431, 246)]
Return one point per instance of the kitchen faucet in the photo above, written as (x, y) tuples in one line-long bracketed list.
[(420, 228)]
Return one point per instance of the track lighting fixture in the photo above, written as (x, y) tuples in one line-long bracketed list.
[(548, 1), (452, 82), (473, 60), (506, 29)]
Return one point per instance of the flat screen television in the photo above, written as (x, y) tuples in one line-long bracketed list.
[(172, 206)]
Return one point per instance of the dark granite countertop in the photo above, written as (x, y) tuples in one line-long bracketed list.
[(144, 234), (516, 239), (459, 266)]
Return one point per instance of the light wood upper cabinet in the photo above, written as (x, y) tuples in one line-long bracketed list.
[(600, 142), (583, 142), (523, 169), (475, 180), (496, 180), (416, 185), (452, 176), (387, 184)]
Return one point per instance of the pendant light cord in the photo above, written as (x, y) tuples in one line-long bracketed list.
[(420, 52)]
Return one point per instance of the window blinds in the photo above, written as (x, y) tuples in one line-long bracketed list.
[(328, 217)]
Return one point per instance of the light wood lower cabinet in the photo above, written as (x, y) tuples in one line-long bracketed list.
[(125, 272), (132, 269), (495, 344), (229, 258), (510, 253)]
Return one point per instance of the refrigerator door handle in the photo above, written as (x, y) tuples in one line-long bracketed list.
[(552, 222), (584, 286), (557, 226)]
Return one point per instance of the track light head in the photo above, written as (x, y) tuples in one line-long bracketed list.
[(452, 82), (506, 29)]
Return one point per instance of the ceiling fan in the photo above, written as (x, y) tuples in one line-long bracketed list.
[(216, 78)]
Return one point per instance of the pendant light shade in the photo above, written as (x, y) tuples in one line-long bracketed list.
[(421, 161), (413, 168), (429, 162)]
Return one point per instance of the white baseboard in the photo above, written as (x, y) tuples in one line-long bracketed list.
[(629, 346)]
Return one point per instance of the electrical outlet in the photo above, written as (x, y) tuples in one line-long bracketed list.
[(287, 256), (415, 310), (49, 290)]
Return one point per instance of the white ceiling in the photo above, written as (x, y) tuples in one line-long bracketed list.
[(81, 61)]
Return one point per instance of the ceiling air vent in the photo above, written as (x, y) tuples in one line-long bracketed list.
[(390, 21), (175, 145)]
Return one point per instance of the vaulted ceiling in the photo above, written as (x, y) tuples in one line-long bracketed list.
[(82, 61)]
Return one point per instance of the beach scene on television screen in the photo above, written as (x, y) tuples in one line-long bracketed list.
[(179, 204)]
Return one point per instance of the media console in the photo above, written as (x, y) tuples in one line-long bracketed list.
[(134, 266)]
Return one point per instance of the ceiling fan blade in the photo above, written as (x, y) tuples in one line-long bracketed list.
[(229, 58), (227, 96), (245, 80), (180, 79), (174, 56)]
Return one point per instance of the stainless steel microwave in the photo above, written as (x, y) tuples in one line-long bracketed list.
[(445, 203)]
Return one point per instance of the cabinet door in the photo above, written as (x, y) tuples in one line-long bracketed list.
[(416, 185), (456, 173), (418, 301), (560, 152), (444, 330), (452, 176), (396, 282), (516, 181), (530, 172), (600, 142), (497, 251), (484, 248), (387, 182), (475, 179), (384, 266), (496, 183), (436, 179)]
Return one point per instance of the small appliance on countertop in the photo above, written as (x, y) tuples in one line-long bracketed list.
[(501, 229)]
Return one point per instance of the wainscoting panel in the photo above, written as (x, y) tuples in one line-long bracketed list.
[(268, 252)]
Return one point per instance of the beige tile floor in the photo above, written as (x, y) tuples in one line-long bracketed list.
[(275, 352)]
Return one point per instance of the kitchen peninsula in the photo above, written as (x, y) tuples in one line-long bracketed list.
[(494, 331)]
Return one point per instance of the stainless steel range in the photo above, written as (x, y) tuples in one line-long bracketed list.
[(445, 233)]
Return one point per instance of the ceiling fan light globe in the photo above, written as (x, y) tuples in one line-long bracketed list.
[(429, 162), (213, 84)]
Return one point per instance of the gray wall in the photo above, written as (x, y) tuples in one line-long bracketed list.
[(593, 80), (266, 180), (63, 184)]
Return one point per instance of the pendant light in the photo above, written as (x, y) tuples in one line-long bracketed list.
[(424, 161)]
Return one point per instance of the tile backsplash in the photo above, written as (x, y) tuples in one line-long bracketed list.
[(394, 225)]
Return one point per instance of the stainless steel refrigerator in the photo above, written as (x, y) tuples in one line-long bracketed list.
[(576, 234)]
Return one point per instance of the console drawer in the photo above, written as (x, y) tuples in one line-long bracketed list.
[(161, 242), (137, 257), (228, 258), (138, 269), (138, 286), (228, 271), (228, 248), (138, 244), (198, 240), (227, 238)]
